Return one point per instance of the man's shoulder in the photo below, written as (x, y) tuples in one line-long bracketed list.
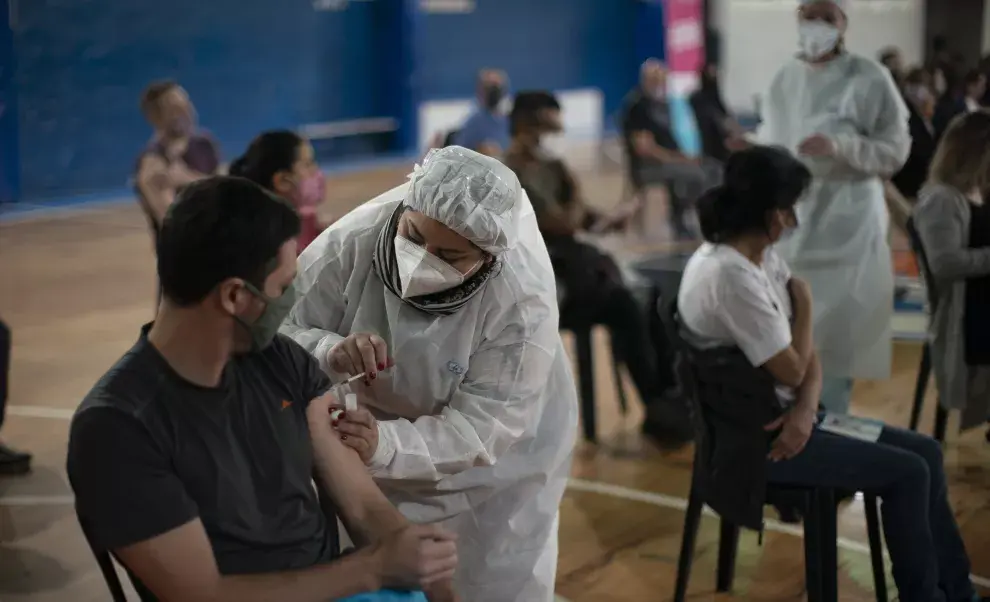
[(128, 388)]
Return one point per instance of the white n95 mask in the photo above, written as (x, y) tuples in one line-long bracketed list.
[(422, 273), (817, 39)]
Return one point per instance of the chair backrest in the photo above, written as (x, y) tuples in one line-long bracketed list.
[(683, 371), (105, 561), (918, 248)]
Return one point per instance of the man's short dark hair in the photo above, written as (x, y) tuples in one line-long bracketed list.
[(218, 228), (153, 94), (527, 106)]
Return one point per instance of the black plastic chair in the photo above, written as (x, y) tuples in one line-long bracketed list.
[(586, 381), (818, 508), (925, 368)]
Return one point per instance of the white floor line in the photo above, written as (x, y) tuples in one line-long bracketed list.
[(37, 500), (677, 503), (40, 412)]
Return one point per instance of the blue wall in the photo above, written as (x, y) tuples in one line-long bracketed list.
[(260, 64), (557, 44)]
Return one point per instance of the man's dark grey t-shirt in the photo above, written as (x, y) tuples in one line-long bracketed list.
[(149, 452)]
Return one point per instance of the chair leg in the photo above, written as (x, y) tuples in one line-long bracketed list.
[(941, 421), (692, 519), (876, 546), (586, 381), (921, 385), (728, 545), (619, 385), (828, 538), (812, 547)]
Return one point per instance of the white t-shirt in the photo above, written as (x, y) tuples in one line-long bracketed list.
[(725, 299)]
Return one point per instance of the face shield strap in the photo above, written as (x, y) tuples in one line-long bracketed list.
[(440, 304)]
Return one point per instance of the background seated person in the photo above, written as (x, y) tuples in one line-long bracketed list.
[(716, 125), (653, 152), (178, 153), (486, 131), (737, 292), (953, 104), (192, 459), (589, 281), (284, 163), (953, 222), (919, 96)]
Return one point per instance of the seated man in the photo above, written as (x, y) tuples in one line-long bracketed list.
[(486, 131), (177, 154), (589, 282), (192, 459), (738, 294), (653, 153)]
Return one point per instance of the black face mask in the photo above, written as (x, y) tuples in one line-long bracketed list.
[(493, 96)]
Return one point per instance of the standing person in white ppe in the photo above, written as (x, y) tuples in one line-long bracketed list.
[(843, 116), (441, 292)]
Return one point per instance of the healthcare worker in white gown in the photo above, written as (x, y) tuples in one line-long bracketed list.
[(446, 279), (843, 116)]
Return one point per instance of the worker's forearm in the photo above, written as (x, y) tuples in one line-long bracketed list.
[(349, 576)]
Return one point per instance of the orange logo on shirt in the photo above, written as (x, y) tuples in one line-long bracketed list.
[(286, 404)]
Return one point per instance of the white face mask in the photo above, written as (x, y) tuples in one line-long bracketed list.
[(817, 39), (422, 273)]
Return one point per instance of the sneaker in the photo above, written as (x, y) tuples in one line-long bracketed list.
[(13, 462)]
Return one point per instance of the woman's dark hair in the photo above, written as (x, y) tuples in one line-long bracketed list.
[(757, 181), (268, 154)]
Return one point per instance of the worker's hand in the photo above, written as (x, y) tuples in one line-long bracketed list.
[(417, 557), (360, 353), (358, 430), (817, 145), (796, 426), (320, 424)]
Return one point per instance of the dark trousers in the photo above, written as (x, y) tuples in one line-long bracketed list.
[(904, 469), (5, 344), (594, 294)]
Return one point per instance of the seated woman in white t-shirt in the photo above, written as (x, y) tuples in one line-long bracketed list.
[(737, 292)]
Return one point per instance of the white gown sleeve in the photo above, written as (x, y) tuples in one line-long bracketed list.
[(320, 303), (885, 144), (502, 394), (772, 117)]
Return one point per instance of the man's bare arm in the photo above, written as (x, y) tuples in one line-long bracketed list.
[(155, 184), (179, 566), (364, 509)]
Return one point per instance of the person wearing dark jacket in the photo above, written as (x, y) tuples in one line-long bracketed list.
[(738, 294), (920, 100), (715, 124)]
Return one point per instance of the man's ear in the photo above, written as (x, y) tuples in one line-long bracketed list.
[(231, 296)]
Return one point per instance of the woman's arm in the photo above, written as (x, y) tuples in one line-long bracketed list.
[(940, 224)]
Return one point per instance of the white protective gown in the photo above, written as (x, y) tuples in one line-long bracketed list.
[(840, 246), (480, 408)]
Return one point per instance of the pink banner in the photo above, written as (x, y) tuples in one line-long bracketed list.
[(685, 35)]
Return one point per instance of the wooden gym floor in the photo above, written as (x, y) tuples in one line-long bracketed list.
[(77, 286)]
